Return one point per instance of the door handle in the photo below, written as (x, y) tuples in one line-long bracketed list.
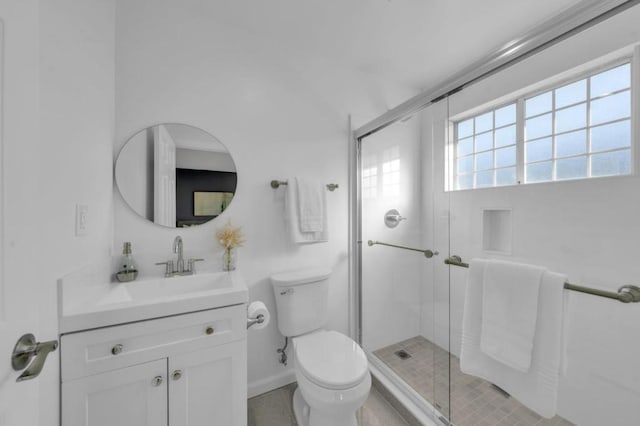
[(25, 351)]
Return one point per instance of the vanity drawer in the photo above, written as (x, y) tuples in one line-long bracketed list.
[(96, 351)]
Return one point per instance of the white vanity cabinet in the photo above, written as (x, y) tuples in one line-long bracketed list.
[(182, 370)]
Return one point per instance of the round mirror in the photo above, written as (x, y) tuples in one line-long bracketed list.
[(176, 175)]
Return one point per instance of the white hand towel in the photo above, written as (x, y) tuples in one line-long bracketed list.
[(509, 312), (293, 221), (311, 205), (538, 388)]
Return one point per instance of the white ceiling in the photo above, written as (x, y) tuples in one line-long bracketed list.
[(413, 44)]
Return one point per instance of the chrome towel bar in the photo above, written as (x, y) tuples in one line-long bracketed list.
[(275, 184), (427, 253), (625, 294)]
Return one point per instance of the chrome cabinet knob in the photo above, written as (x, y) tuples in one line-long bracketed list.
[(176, 375), (156, 381), (209, 330), (117, 349)]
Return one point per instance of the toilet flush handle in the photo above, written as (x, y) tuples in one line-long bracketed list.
[(287, 291)]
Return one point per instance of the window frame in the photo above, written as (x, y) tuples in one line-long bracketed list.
[(551, 84)]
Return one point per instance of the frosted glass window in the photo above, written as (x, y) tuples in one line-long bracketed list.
[(505, 136), (506, 176), (539, 104), (611, 163), (541, 149), (505, 115), (611, 136), (539, 127), (571, 94), (611, 108), (484, 161), (571, 118), (575, 130), (506, 156), (610, 81), (540, 172), (464, 147), (571, 168), (484, 122), (574, 143), (484, 179), (484, 142), (370, 182)]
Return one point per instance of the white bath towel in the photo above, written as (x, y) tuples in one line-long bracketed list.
[(538, 388), (311, 205), (293, 221), (509, 311)]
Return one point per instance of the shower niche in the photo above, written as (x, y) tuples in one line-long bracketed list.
[(497, 231)]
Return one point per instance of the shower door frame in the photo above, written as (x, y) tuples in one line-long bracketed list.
[(571, 21)]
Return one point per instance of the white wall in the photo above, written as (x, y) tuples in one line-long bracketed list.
[(74, 151), (588, 229), (275, 122)]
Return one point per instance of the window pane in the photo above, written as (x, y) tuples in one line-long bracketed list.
[(484, 122), (506, 176), (610, 81), (538, 127), (611, 163), (465, 164), (538, 104), (506, 136), (465, 128), (574, 143), (610, 108), (506, 115), (571, 168), (538, 150), (571, 118), (571, 93), (465, 181), (539, 172), (484, 141), (506, 157), (484, 161), (484, 179), (611, 136), (464, 147)]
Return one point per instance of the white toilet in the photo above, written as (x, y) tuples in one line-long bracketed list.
[(331, 369)]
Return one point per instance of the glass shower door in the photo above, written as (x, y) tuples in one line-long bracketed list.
[(404, 282)]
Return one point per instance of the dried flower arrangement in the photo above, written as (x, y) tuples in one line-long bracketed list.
[(229, 237)]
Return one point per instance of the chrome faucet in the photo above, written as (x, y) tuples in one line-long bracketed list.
[(180, 269), (177, 248)]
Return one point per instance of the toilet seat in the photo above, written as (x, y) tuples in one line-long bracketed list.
[(331, 360)]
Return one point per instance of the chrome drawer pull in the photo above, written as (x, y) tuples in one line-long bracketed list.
[(176, 375), (117, 349), (157, 381)]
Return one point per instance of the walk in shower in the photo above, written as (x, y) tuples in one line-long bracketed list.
[(453, 173)]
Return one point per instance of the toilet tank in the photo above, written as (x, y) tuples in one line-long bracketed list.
[(302, 299)]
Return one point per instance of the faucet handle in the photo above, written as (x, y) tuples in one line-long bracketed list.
[(169, 268), (192, 264)]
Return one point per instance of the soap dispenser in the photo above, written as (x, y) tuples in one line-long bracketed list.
[(127, 270)]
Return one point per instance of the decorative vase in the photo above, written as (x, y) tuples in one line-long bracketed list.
[(229, 259)]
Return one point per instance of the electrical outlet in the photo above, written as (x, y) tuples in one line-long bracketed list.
[(82, 218)]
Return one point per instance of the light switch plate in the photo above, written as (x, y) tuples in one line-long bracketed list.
[(82, 218)]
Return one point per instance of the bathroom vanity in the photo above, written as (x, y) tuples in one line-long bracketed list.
[(169, 351)]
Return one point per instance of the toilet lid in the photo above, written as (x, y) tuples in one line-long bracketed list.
[(331, 359)]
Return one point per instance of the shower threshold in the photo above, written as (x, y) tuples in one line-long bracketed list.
[(434, 374)]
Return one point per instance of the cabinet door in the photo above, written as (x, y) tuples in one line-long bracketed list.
[(132, 396), (209, 387)]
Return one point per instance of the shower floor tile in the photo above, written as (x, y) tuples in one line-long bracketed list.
[(472, 401)]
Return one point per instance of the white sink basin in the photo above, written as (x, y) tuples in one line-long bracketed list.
[(100, 305)]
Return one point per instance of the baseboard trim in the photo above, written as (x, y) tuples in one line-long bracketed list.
[(258, 387)]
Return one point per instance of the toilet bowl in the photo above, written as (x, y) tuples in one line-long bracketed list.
[(333, 379), (331, 369)]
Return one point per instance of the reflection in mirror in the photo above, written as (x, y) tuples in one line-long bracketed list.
[(176, 175)]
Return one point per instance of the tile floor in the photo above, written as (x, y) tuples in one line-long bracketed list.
[(274, 409), (473, 401)]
